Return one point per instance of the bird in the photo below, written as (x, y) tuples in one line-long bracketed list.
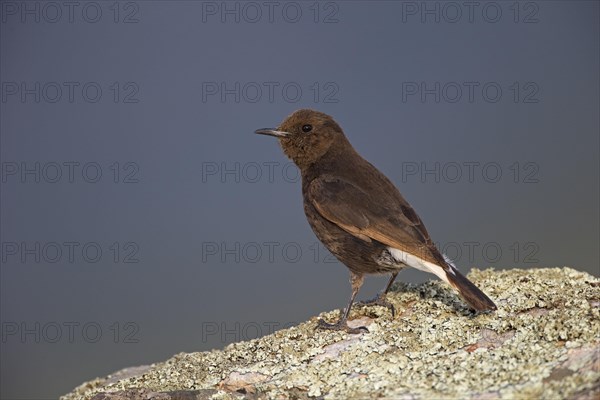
[(359, 215)]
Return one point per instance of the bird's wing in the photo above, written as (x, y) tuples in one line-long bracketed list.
[(391, 221)]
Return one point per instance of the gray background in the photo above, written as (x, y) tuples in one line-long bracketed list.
[(194, 180)]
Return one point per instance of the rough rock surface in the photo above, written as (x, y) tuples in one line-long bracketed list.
[(543, 342)]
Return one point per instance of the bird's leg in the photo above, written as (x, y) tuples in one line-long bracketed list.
[(356, 282), (381, 300)]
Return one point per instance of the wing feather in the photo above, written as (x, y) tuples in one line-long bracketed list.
[(391, 221)]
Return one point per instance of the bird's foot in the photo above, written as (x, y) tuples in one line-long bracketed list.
[(341, 325), (380, 300)]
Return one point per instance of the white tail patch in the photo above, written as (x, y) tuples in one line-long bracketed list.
[(450, 264), (418, 263)]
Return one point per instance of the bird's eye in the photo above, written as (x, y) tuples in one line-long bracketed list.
[(306, 128)]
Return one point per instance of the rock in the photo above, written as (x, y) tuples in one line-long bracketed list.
[(147, 394), (542, 342)]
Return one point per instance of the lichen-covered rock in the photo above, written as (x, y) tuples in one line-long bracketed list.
[(542, 342)]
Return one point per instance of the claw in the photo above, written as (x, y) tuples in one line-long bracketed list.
[(341, 325), (380, 301)]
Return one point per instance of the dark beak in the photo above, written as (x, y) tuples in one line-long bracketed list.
[(272, 132)]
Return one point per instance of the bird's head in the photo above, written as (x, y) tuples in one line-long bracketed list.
[(306, 135)]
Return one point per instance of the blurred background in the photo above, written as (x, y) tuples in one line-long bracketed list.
[(141, 217)]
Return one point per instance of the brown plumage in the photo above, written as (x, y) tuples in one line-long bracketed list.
[(358, 214)]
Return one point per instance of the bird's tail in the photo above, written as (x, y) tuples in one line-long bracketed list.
[(468, 291), (446, 271)]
